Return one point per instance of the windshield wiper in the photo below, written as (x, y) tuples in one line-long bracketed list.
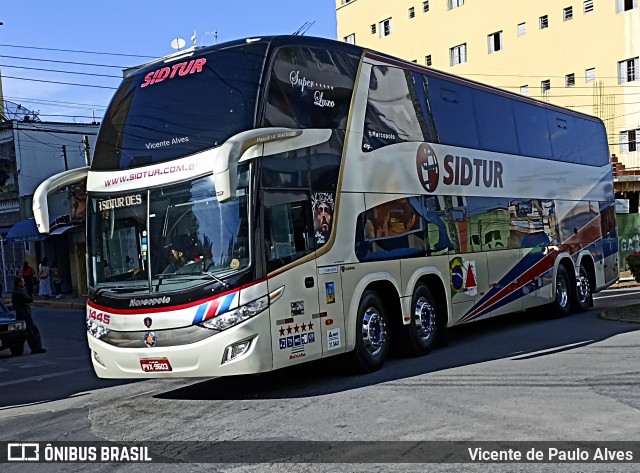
[(217, 279), (116, 289), (194, 276)]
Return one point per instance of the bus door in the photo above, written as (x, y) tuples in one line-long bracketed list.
[(290, 260)]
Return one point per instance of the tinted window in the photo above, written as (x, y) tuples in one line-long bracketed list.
[(533, 223), (531, 126), (310, 88), (288, 227), (593, 142), (391, 230), (316, 167), (488, 227), (564, 140), (170, 110), (391, 109), (496, 127), (453, 113)]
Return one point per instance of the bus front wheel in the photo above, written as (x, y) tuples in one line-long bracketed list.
[(421, 332), (372, 334)]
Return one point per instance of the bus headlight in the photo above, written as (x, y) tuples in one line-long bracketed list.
[(236, 316), (95, 329)]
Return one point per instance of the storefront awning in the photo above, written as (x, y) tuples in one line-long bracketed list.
[(61, 229), (26, 230)]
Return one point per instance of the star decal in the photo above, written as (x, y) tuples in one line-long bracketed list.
[(289, 329), (310, 326), (281, 331), (296, 328), (304, 327)]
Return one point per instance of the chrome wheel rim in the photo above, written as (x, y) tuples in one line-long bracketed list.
[(424, 317), (583, 289), (562, 292), (374, 331)]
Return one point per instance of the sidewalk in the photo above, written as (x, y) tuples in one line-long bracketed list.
[(67, 301)]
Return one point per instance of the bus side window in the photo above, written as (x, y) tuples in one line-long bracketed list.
[(288, 228), (391, 116)]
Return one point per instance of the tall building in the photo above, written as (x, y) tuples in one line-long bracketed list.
[(580, 54)]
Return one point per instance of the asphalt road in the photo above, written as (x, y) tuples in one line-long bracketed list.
[(524, 377)]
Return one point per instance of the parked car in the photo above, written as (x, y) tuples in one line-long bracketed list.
[(13, 333)]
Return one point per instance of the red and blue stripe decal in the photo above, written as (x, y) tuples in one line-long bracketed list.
[(532, 272), (217, 306)]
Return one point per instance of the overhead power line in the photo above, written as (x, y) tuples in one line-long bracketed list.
[(63, 62), (48, 102), (76, 51), (62, 72), (62, 83)]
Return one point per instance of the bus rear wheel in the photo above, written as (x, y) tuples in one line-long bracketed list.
[(583, 290), (564, 294), (422, 331), (372, 334)]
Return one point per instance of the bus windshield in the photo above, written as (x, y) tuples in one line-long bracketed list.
[(170, 110), (190, 237)]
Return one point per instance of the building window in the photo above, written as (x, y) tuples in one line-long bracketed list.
[(351, 39), (545, 87), (568, 14), (628, 70), (458, 54), (524, 90), (590, 75), (588, 6), (451, 4), (427, 60), (522, 29), (495, 41), (626, 5), (629, 141), (425, 7), (544, 22), (570, 80), (412, 12), (373, 29), (385, 27)]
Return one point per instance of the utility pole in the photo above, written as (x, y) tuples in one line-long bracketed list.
[(86, 150), (64, 155)]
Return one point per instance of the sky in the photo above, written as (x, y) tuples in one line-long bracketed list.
[(134, 32)]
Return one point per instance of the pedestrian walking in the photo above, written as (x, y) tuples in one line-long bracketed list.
[(56, 279), (22, 304), (44, 289), (27, 273)]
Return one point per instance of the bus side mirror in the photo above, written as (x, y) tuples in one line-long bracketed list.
[(226, 183)]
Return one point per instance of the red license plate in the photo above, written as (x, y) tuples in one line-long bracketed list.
[(155, 365)]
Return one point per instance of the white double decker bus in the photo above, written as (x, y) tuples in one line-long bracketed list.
[(270, 201)]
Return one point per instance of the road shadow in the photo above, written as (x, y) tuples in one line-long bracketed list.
[(63, 372), (514, 336)]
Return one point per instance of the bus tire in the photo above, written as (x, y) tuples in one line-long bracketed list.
[(421, 334), (562, 304), (372, 334), (583, 290)]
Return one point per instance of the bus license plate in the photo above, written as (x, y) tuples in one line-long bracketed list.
[(154, 365)]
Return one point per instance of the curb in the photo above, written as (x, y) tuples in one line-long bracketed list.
[(56, 304), (620, 318)]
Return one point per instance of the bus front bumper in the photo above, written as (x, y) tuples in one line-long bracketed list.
[(249, 341)]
